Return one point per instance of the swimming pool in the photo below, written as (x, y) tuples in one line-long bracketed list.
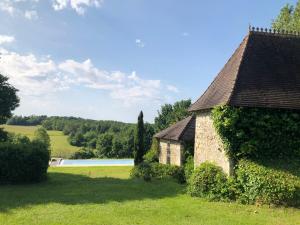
[(96, 162)]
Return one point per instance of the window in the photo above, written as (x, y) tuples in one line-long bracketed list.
[(168, 154)]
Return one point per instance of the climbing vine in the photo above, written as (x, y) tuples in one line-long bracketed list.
[(258, 133)]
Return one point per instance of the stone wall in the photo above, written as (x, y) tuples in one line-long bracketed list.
[(208, 145), (175, 152)]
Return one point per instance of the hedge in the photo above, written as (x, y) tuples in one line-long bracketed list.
[(210, 182), (264, 185), (23, 162), (147, 171)]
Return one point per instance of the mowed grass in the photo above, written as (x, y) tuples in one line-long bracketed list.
[(106, 196), (60, 146)]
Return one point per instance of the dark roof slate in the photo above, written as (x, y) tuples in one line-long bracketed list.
[(183, 130), (263, 72)]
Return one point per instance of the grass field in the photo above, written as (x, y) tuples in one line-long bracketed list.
[(59, 143), (106, 196)]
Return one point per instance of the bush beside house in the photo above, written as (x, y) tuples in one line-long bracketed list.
[(148, 171), (209, 181), (263, 185)]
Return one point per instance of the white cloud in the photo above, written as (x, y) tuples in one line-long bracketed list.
[(36, 76), (139, 43), (29, 74), (12, 8), (78, 5), (25, 8), (172, 88), (7, 7), (6, 39), (31, 14)]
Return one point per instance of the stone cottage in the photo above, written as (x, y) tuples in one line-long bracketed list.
[(263, 72), (171, 141)]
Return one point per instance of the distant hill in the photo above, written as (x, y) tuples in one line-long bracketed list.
[(60, 146), (105, 138)]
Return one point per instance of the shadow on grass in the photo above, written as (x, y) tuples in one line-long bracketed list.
[(72, 189)]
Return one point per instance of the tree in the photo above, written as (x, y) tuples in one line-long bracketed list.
[(153, 154), (288, 18), (8, 102), (170, 114), (104, 145), (129, 143), (117, 148), (41, 135), (149, 132), (8, 99), (139, 140), (77, 139)]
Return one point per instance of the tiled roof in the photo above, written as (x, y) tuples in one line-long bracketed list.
[(183, 130), (263, 72)]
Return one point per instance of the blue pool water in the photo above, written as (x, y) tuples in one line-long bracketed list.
[(97, 162)]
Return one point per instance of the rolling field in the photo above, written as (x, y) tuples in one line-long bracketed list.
[(59, 143), (107, 196)]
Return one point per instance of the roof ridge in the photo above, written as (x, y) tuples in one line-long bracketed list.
[(216, 77), (177, 125), (262, 72), (246, 40), (191, 117), (274, 32)]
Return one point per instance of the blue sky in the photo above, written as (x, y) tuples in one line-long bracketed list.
[(109, 59)]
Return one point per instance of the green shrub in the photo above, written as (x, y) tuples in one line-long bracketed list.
[(189, 167), (260, 184), (159, 171), (258, 133), (188, 150), (23, 161), (179, 175), (40, 134), (84, 153), (151, 156), (210, 182), (18, 139), (162, 171), (3, 135), (142, 170)]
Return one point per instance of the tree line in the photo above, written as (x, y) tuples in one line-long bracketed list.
[(104, 138), (26, 120)]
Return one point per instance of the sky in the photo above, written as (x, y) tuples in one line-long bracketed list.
[(109, 59)]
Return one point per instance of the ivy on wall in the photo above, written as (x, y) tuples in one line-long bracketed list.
[(258, 133)]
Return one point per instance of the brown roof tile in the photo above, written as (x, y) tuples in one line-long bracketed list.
[(183, 130), (263, 72)]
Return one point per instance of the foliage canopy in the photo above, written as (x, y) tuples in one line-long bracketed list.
[(288, 18), (170, 114), (8, 99)]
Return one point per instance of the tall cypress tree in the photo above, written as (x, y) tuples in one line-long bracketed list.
[(139, 140)]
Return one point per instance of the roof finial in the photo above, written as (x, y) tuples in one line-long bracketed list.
[(273, 31)]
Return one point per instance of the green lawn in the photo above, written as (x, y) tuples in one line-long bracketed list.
[(106, 195), (60, 146)]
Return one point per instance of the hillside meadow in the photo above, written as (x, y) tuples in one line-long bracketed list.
[(106, 195), (60, 146)]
